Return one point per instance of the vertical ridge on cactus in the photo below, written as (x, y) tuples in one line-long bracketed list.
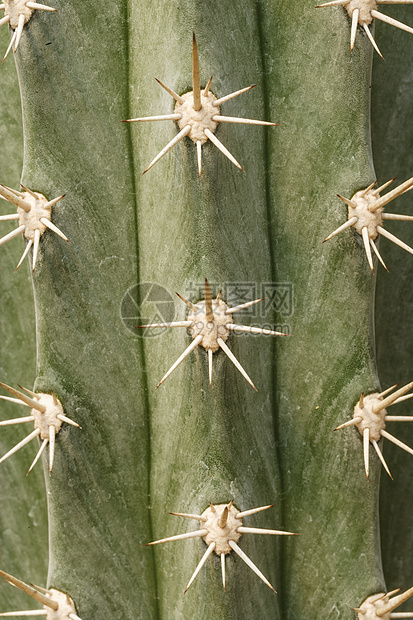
[(23, 515), (99, 354), (302, 187), (392, 140), (211, 446)]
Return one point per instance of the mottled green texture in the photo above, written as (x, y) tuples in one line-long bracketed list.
[(23, 516), (392, 134), (74, 94), (322, 94), (219, 444)]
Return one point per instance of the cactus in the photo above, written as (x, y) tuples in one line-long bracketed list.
[(141, 453)]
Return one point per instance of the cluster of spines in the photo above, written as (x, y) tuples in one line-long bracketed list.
[(372, 423), (213, 335), (46, 429), (22, 19), (363, 16), (33, 212), (382, 606), (221, 527), (369, 205), (205, 133), (56, 605)]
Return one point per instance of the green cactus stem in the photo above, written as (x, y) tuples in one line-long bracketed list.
[(143, 453)]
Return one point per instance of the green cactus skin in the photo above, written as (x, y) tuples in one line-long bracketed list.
[(98, 508), (392, 147), (327, 151), (23, 513), (142, 453)]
